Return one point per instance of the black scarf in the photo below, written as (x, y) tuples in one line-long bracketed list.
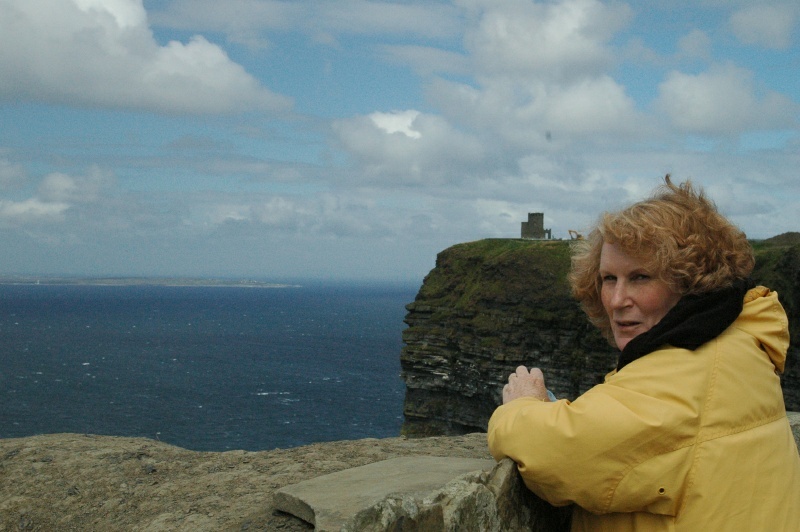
[(693, 321)]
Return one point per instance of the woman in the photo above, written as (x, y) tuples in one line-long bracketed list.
[(689, 433)]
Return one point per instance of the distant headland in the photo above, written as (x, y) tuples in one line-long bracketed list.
[(138, 281)]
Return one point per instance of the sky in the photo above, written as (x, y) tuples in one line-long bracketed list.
[(349, 140)]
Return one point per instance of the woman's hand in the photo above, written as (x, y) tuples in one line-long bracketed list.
[(524, 383)]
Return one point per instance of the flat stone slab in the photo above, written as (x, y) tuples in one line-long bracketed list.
[(329, 501), (794, 422)]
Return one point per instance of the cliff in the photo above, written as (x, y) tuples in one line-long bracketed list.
[(491, 305)]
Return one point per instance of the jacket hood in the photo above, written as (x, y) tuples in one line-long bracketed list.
[(763, 317)]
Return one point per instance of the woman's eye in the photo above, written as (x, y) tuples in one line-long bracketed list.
[(640, 277), (608, 278)]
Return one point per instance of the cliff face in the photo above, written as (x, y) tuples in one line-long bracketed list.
[(778, 267), (491, 305)]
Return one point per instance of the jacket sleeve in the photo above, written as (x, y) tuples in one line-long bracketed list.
[(613, 449)]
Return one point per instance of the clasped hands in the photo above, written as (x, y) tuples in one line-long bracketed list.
[(524, 383)]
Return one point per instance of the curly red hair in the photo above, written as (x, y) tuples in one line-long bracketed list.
[(680, 236)]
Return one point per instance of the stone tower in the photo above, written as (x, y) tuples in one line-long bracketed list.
[(534, 227)]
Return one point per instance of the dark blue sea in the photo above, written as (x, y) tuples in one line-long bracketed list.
[(204, 368)]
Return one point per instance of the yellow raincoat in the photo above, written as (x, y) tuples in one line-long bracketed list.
[(678, 440)]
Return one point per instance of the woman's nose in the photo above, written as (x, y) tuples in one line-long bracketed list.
[(621, 296)]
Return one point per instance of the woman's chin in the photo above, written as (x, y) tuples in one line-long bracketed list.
[(622, 342)]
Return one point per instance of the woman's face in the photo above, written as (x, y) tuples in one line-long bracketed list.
[(633, 297)]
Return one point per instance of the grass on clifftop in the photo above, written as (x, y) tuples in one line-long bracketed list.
[(778, 268), (497, 270)]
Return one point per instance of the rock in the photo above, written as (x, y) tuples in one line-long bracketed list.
[(794, 421), (487, 501), (327, 502), (491, 305)]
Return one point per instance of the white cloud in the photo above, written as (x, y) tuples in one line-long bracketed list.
[(410, 147), (427, 19), (495, 215), (93, 53), (62, 188), (766, 25), (282, 213), (21, 211), (11, 174), (227, 212), (54, 197), (553, 40), (397, 122), (695, 45), (538, 115), (126, 14), (541, 74), (279, 215), (427, 60), (597, 105), (243, 21), (58, 187), (722, 100), (324, 215), (322, 20), (30, 211)]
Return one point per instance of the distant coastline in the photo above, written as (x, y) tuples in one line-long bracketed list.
[(138, 281)]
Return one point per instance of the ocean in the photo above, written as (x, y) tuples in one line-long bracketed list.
[(205, 368)]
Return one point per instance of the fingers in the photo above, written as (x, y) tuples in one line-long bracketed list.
[(524, 382), (507, 394), (523, 372)]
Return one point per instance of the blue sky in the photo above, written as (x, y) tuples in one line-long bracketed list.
[(354, 140)]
